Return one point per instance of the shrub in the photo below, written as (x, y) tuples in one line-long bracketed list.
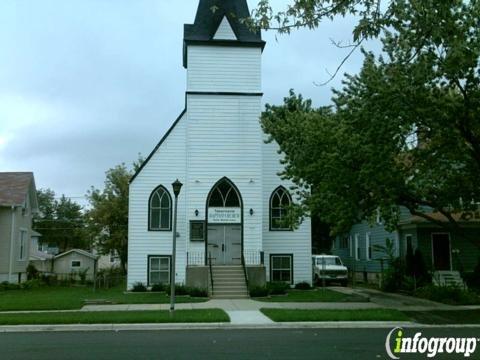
[(198, 292), (179, 290), (303, 286), (278, 288), (83, 275), (259, 291), (393, 277), (49, 279), (31, 284), (139, 287), (157, 288), (9, 286), (473, 278), (32, 272), (448, 295)]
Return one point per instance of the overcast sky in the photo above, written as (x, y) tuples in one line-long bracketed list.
[(88, 84)]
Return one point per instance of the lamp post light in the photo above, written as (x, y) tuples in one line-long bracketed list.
[(177, 186)]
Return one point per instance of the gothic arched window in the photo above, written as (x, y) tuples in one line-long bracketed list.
[(160, 210), (280, 201)]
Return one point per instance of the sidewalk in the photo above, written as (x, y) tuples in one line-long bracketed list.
[(402, 302)]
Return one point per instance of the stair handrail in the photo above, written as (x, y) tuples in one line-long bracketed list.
[(211, 271), (244, 270)]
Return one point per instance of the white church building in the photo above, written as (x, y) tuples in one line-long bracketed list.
[(230, 231)]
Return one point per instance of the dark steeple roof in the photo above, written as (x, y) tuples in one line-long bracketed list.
[(210, 14)]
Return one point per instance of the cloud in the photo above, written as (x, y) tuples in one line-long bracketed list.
[(88, 84)]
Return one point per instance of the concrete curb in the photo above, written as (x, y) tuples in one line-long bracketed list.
[(225, 326)]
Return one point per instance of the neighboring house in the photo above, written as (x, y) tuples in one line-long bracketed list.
[(442, 250), (233, 201), (18, 203), (108, 261), (41, 259), (73, 263)]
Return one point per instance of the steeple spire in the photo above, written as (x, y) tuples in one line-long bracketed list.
[(209, 17)]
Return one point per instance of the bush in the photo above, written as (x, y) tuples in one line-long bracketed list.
[(179, 290), (278, 288), (157, 288), (31, 284), (139, 287), (49, 279), (259, 291), (473, 278), (198, 292), (448, 295), (303, 286), (393, 277), (32, 272), (5, 286)]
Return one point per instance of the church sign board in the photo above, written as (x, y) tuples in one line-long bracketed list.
[(221, 215)]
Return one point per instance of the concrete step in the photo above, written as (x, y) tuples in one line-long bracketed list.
[(230, 288), (230, 297)]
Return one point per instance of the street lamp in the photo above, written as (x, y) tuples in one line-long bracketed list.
[(177, 186)]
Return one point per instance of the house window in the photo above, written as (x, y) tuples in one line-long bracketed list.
[(160, 208), (357, 247), (280, 201), (76, 264), (343, 242), (197, 230), (368, 246), (23, 237), (281, 268), (350, 245), (158, 270)]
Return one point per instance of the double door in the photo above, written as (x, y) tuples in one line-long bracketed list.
[(225, 244)]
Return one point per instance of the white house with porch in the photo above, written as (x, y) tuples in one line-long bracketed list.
[(230, 209)]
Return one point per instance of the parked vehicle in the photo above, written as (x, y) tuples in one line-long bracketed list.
[(330, 268)]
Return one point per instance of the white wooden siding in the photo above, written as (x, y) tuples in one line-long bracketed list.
[(225, 139), (166, 165), (298, 242), (225, 31), (224, 69)]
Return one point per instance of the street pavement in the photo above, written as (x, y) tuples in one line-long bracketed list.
[(211, 344)]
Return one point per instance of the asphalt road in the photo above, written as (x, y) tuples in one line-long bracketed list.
[(211, 344)]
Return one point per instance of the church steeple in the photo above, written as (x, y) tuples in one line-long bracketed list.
[(214, 14)]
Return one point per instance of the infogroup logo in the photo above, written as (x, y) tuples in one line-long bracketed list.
[(429, 346)]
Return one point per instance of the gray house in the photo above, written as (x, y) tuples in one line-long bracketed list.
[(18, 203), (72, 263), (444, 252)]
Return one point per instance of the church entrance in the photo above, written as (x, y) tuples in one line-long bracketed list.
[(224, 224)]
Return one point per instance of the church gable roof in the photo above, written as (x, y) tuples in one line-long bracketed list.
[(209, 16)]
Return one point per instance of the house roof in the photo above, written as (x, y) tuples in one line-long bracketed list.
[(14, 187), (78, 251), (462, 217), (210, 14)]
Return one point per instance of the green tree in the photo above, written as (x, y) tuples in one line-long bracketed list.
[(60, 221), (108, 216), (404, 131)]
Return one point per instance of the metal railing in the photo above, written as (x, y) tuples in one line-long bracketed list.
[(245, 270), (253, 257), (211, 271), (196, 258)]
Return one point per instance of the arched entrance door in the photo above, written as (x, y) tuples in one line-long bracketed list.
[(224, 224)]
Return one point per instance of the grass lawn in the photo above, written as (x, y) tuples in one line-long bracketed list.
[(292, 315), (446, 317), (116, 317), (70, 298), (316, 295)]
